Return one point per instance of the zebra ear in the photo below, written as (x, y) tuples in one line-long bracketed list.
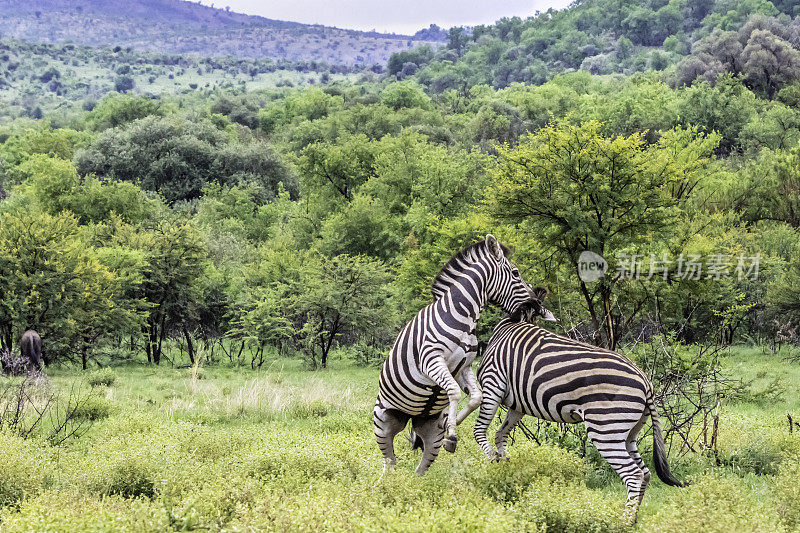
[(539, 293), (494, 247)]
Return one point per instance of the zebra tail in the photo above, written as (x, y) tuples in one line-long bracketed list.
[(659, 451), (414, 440)]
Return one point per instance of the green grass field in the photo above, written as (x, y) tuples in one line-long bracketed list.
[(287, 449)]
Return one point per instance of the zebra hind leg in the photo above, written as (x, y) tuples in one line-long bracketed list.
[(613, 447), (633, 450), (388, 423), (501, 437), (431, 431)]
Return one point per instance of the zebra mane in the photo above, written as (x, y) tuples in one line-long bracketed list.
[(441, 283)]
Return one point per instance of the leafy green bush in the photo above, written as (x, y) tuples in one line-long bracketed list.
[(104, 377), (758, 457), (26, 469), (716, 504), (125, 467), (366, 355), (787, 493), (69, 511), (92, 408), (570, 509), (312, 409), (508, 480)]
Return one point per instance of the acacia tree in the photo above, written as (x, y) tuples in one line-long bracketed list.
[(339, 296), (175, 259), (579, 191), (52, 281)]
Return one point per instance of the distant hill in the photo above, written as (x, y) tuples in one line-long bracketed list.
[(180, 27), (38, 78)]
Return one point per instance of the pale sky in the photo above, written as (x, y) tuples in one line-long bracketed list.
[(398, 16)]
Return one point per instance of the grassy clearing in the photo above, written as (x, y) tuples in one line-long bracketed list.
[(286, 449)]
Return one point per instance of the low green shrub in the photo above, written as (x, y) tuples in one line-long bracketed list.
[(763, 454), (715, 504), (26, 468), (128, 468), (507, 480), (70, 511), (312, 409), (105, 377), (548, 506), (366, 355), (91, 408), (787, 493)]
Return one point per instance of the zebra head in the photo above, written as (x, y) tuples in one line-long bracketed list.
[(505, 285), (533, 309), (484, 266)]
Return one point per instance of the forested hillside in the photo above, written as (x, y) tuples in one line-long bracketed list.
[(687, 38), (182, 27)]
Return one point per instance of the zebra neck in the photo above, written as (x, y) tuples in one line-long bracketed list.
[(465, 301)]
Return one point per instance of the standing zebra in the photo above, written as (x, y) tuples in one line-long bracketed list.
[(416, 381), (535, 372)]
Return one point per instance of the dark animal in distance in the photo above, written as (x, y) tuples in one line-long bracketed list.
[(31, 348)]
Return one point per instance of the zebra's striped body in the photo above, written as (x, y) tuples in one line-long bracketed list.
[(417, 379), (535, 372)]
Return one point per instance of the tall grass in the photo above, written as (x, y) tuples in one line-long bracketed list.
[(262, 397)]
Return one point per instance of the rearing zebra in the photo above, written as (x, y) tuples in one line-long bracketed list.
[(416, 381), (535, 372)]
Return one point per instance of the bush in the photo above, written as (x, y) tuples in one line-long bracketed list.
[(124, 84), (570, 509), (126, 466), (92, 408), (104, 377), (763, 454), (366, 355), (716, 504), (26, 469), (787, 493), (126, 474), (507, 481), (67, 511)]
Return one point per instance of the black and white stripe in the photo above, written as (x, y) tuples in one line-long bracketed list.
[(533, 371), (417, 380)]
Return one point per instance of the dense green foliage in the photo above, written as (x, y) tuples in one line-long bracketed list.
[(258, 188), (757, 39)]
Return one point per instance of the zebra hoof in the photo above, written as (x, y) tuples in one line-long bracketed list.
[(631, 514), (500, 458), (450, 444)]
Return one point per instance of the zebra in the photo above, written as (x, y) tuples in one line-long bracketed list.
[(416, 381), (536, 372)]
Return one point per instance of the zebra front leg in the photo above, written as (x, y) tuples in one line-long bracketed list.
[(431, 432), (489, 405), (512, 419), (466, 379), (436, 369), (387, 424)]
